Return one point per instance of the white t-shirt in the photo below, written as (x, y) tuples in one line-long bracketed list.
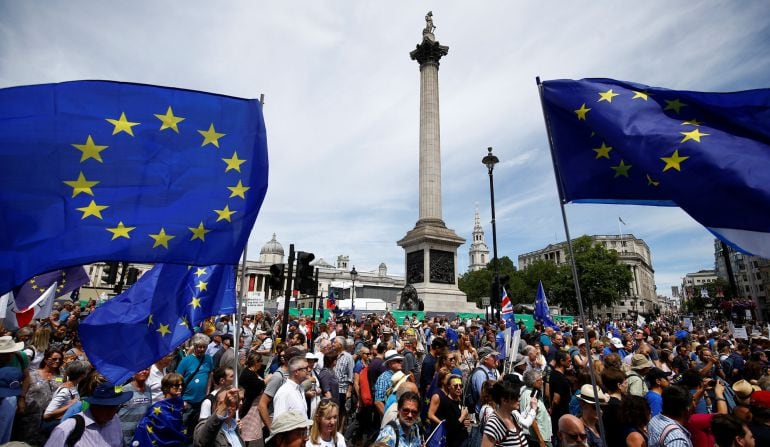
[(61, 397), (206, 406), (321, 443)]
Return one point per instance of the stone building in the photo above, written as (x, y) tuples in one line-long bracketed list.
[(634, 253), (478, 254)]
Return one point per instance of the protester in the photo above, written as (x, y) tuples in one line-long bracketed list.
[(220, 429), (668, 428), (162, 423), (502, 427), (404, 431), (100, 422), (290, 429), (323, 432), (291, 395), (42, 384), (196, 368), (67, 394)]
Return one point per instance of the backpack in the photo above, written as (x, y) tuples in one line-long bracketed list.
[(77, 432), (469, 398), (367, 398)]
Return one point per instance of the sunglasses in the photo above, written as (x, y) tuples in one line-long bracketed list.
[(407, 411)]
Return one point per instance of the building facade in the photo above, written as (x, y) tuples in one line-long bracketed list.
[(750, 273), (633, 252), (478, 255)]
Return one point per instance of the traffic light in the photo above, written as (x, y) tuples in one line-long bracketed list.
[(110, 273), (305, 280), (276, 277), (133, 275)]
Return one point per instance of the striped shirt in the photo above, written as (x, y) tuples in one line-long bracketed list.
[(344, 371), (496, 430), (664, 431), (131, 412)]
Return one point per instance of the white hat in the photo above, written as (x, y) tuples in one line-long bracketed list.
[(288, 421), (8, 345), (397, 379), (393, 355), (582, 341), (587, 395), (615, 341)]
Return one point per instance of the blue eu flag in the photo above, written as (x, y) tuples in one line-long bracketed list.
[(161, 425), (96, 170), (542, 313), (140, 326), (707, 153)]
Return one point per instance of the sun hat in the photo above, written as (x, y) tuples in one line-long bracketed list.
[(310, 356), (743, 389), (587, 395), (615, 341), (288, 421), (8, 345), (397, 379), (10, 381), (582, 341), (109, 394), (486, 352), (393, 355), (640, 361)]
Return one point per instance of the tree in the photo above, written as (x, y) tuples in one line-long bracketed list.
[(603, 280), (477, 284)]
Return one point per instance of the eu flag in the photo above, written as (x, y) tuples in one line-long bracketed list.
[(138, 327), (708, 153), (97, 170), (541, 312), (161, 425)]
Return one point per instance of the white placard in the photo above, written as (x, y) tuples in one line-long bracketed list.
[(740, 332), (255, 302)]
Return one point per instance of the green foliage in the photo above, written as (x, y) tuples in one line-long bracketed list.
[(478, 284), (603, 281)]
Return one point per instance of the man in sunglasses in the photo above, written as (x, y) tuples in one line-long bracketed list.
[(404, 431), (572, 432)]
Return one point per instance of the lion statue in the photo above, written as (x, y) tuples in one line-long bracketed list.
[(410, 300)]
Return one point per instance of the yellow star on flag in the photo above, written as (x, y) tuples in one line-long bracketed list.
[(673, 161), (199, 232), (603, 152), (122, 125), (149, 320), (163, 329), (92, 210), (201, 286), (581, 112), (238, 190), (195, 302), (184, 322), (169, 121), (81, 185), (225, 214), (693, 135), (90, 150), (200, 272), (149, 428), (161, 238), (211, 136), (156, 410), (120, 231), (640, 95), (651, 182), (692, 122), (621, 169), (674, 105), (233, 162), (607, 96)]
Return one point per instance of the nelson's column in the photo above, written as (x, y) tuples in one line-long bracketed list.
[(431, 247)]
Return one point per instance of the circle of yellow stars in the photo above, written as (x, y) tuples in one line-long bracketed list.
[(672, 162), (91, 152)]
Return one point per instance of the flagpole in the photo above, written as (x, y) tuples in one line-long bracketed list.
[(560, 188)]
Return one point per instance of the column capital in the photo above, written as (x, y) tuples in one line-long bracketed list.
[(429, 51)]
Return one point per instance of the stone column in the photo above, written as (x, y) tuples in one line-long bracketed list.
[(427, 54)]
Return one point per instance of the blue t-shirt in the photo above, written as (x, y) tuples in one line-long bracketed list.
[(195, 391), (656, 402)]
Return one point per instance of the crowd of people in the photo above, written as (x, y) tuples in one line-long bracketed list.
[(377, 381)]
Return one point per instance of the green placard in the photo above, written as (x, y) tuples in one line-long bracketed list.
[(399, 315)]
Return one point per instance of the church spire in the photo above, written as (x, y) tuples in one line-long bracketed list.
[(479, 252)]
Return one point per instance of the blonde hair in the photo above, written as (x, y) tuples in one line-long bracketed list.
[(41, 339), (323, 409)]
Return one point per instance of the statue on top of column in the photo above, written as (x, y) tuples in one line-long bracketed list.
[(429, 27)]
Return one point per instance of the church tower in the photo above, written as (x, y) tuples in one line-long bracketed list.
[(479, 252)]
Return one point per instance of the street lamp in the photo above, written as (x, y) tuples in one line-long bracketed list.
[(490, 161), (353, 275)]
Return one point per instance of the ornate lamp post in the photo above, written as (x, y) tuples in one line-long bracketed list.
[(353, 276), (490, 161)]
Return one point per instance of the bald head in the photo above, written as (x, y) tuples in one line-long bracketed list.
[(572, 431), (404, 387)]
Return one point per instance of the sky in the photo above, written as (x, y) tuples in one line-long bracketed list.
[(342, 102)]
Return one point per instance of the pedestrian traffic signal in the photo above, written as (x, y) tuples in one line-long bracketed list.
[(276, 277), (305, 280), (133, 275), (110, 273)]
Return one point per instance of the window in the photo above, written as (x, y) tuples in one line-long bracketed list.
[(622, 303)]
